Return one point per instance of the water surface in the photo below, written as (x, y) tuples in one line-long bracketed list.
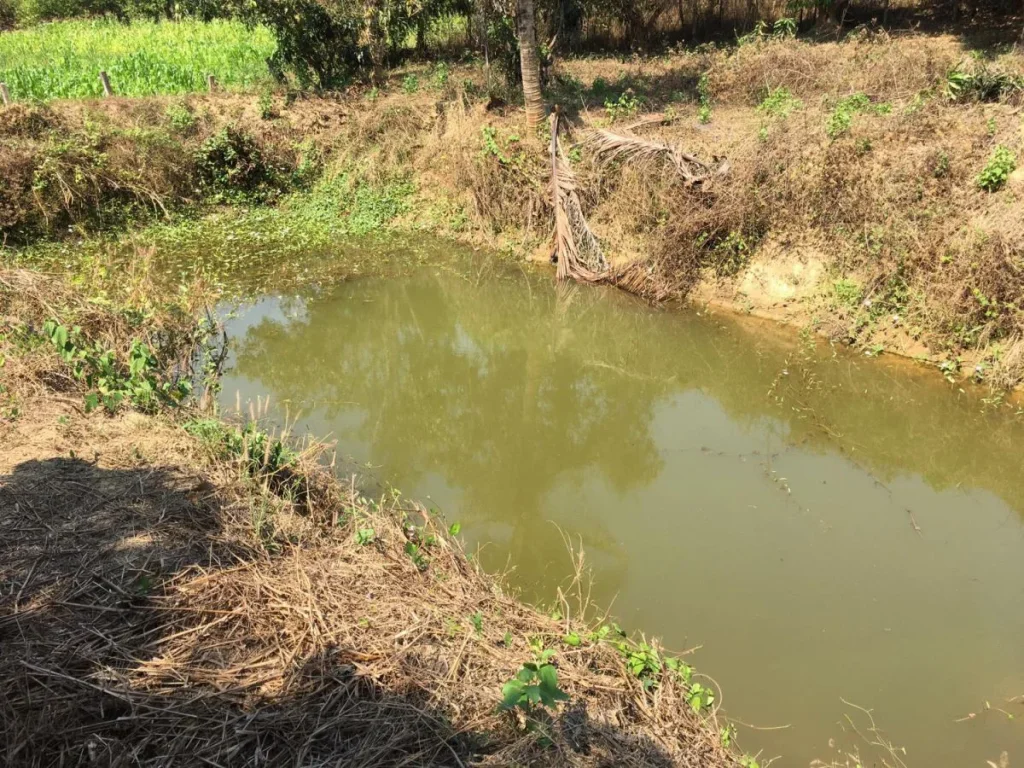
[(823, 526)]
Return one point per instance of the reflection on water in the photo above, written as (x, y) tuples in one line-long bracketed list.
[(822, 526)]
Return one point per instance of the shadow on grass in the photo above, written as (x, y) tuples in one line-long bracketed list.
[(89, 673)]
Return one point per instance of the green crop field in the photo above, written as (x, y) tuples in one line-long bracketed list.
[(63, 60)]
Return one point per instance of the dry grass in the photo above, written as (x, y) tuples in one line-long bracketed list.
[(162, 605), (882, 66)]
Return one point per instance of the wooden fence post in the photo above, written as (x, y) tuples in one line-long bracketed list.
[(5, 94), (107, 90), (211, 83)]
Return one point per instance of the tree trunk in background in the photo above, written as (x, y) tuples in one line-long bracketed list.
[(378, 41), (530, 63)]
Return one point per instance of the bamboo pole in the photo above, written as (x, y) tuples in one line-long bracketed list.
[(211, 83), (5, 94), (107, 90)]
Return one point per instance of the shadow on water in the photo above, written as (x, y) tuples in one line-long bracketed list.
[(812, 518)]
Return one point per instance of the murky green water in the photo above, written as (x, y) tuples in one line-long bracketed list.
[(823, 526)]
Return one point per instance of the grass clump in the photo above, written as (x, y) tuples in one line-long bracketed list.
[(62, 60)]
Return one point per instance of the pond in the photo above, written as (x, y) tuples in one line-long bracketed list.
[(826, 530)]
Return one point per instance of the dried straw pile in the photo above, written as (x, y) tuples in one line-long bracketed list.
[(160, 607)]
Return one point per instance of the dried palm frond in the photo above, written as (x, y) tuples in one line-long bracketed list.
[(577, 248), (610, 146)]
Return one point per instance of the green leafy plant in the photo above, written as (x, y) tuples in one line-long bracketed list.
[(643, 662), (784, 27), (109, 381), (979, 81), (602, 632), (699, 697), (454, 529), (727, 735), (441, 74), (779, 102), (1000, 165), (477, 619), (365, 536), (265, 104), (841, 117), (491, 147), (181, 117), (231, 163), (847, 292), (941, 167), (950, 369), (535, 685), (415, 553), (411, 84), (260, 454), (731, 253), (626, 106), (704, 99)]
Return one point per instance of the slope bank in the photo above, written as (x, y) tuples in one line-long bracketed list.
[(873, 191)]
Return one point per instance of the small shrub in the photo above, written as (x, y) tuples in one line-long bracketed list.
[(729, 254), (230, 161), (365, 536), (626, 106), (260, 454), (782, 29), (704, 99), (109, 381), (941, 167), (779, 102), (535, 685), (1000, 165), (441, 75), (411, 84), (847, 291), (181, 117), (841, 118), (266, 106)]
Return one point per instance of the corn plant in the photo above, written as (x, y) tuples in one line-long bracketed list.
[(63, 60)]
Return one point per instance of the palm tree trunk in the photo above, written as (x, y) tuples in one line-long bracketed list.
[(530, 63)]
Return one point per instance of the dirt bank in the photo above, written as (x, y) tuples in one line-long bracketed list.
[(857, 200), (179, 590)]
